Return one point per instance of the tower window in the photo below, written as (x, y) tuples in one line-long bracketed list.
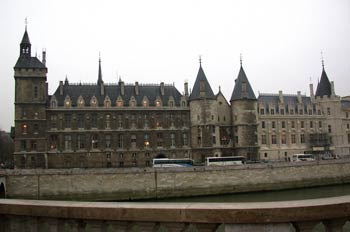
[(35, 91)]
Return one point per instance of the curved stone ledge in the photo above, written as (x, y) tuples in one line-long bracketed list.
[(216, 213)]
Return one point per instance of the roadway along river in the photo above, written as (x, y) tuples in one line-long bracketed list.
[(283, 195)]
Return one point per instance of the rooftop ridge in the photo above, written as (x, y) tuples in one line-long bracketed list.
[(112, 84), (283, 94)]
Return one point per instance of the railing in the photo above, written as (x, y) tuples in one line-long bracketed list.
[(327, 214)]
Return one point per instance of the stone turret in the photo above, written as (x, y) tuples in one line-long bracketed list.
[(244, 118)]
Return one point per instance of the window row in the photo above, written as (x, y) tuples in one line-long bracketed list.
[(108, 121), (293, 111), (274, 139), (120, 141), (291, 124), (118, 103)]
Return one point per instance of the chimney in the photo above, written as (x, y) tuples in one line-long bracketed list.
[(332, 88), (186, 88), (136, 88), (280, 96), (122, 88), (61, 88), (312, 95), (299, 97), (162, 88), (44, 57)]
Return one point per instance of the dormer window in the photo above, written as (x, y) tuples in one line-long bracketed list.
[(81, 102), (93, 102), (107, 102), (67, 102), (132, 102), (145, 102)]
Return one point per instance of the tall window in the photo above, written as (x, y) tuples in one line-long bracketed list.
[(33, 145), (263, 139), (283, 139), (67, 121), (273, 139), (81, 121), (133, 141), (35, 91), (293, 124), (273, 124), (282, 111), (320, 124), (328, 111), (24, 128), (36, 129), (302, 124), (94, 141), (293, 139), (159, 139), (108, 141), (23, 145), (184, 139), (120, 121), (262, 124), (272, 111), (81, 142), (146, 140), (172, 139), (283, 124), (94, 120), (120, 141), (329, 129), (67, 142), (108, 121), (302, 138), (53, 142), (311, 124)]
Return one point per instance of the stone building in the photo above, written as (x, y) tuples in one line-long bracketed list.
[(127, 125)]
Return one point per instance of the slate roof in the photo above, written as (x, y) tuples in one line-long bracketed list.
[(29, 62), (324, 86), (25, 39), (290, 101), (196, 94), (113, 91), (25, 60), (237, 93)]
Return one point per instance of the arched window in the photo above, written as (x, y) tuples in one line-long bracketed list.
[(93, 102), (81, 102), (67, 102), (107, 102), (145, 102)]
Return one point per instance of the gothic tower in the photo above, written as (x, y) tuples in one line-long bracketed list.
[(202, 115), (244, 118), (30, 105)]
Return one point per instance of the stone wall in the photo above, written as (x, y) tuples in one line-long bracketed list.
[(136, 183)]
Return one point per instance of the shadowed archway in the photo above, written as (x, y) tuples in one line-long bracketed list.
[(2, 190)]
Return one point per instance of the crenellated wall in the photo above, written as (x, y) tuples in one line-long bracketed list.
[(136, 183)]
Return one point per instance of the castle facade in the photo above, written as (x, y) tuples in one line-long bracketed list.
[(127, 125)]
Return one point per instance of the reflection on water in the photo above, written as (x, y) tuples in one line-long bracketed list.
[(282, 195)]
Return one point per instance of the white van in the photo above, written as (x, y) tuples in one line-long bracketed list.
[(302, 157)]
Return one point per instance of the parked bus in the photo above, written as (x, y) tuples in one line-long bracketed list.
[(302, 157), (225, 160), (165, 162)]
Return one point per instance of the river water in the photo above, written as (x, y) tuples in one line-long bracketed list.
[(280, 195)]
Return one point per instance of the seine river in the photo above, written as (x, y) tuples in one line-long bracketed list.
[(282, 195)]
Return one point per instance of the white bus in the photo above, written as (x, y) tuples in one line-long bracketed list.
[(302, 157), (225, 160), (165, 162)]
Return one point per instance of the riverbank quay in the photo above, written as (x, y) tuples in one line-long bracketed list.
[(331, 214), (154, 183)]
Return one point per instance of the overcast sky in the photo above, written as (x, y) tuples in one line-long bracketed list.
[(157, 40)]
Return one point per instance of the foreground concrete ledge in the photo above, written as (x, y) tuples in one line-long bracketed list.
[(258, 212)]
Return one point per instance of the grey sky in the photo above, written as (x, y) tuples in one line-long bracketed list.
[(154, 40)]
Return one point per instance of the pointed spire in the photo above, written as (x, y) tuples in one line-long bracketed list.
[(324, 86), (25, 46), (201, 88), (242, 90), (99, 81)]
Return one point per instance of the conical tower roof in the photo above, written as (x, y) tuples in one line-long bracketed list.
[(25, 39), (242, 89), (324, 86), (201, 88)]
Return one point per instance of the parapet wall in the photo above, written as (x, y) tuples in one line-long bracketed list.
[(143, 183)]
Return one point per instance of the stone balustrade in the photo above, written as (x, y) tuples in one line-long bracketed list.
[(327, 214)]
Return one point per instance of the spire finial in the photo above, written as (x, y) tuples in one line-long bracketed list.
[(26, 22), (200, 60), (240, 58), (322, 60), (219, 88)]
